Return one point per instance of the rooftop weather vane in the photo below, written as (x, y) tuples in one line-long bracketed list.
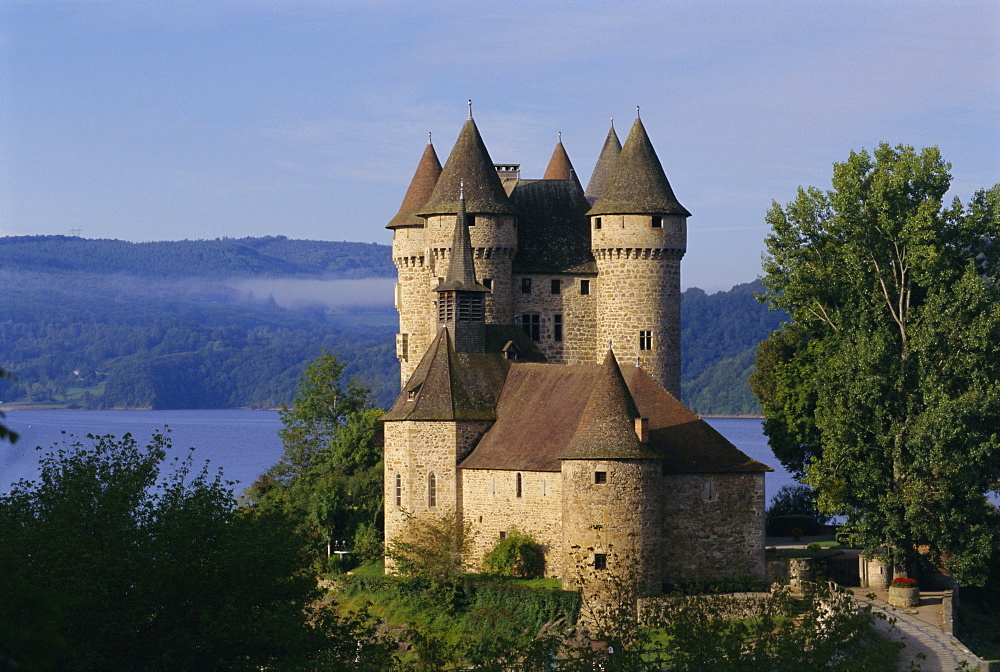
[(470, 108)]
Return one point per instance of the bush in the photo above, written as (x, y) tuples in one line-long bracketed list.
[(799, 500), (518, 555)]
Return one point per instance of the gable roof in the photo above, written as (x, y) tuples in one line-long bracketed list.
[(553, 235), (605, 165), (449, 385), (637, 184), (469, 162), (419, 191)]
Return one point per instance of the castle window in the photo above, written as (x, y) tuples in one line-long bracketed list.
[(600, 561), (657, 222), (597, 222), (403, 346), (470, 307), (557, 325), (503, 534), (584, 287), (532, 325), (556, 286), (545, 487), (493, 486), (399, 490), (517, 486), (709, 493), (488, 283), (446, 306), (526, 285), (411, 395), (431, 490), (600, 477), (645, 340)]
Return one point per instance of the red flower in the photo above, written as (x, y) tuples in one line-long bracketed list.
[(904, 582)]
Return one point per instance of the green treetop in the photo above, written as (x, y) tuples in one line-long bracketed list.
[(883, 391)]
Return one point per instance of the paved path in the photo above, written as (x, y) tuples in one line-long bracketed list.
[(926, 647)]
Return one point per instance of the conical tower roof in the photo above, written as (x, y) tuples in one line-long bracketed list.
[(607, 428), (469, 162), (560, 167), (605, 165), (461, 274), (638, 184), (420, 189)]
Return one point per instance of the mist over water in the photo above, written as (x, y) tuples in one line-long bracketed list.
[(332, 294)]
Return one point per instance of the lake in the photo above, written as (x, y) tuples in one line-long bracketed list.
[(244, 443)]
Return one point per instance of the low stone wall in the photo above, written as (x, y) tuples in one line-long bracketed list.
[(647, 604)]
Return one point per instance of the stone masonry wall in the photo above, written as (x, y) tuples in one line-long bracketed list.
[(491, 505), (619, 517), (579, 330), (414, 450), (713, 526)]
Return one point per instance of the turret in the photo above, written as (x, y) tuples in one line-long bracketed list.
[(491, 215), (638, 237), (461, 299), (605, 165), (414, 298)]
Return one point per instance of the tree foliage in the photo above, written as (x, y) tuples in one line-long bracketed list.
[(883, 391), (109, 563), (330, 474), (517, 554)]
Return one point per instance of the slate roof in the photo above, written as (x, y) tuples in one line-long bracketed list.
[(461, 275), (449, 385), (637, 184), (469, 162), (419, 191), (553, 235), (605, 165)]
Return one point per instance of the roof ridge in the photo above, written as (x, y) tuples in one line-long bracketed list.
[(637, 184)]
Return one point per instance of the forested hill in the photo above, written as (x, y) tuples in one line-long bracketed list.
[(232, 323), (271, 256)]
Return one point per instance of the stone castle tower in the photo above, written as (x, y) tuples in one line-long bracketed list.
[(575, 270), (515, 296)]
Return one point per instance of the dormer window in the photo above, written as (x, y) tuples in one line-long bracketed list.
[(411, 395), (488, 283)]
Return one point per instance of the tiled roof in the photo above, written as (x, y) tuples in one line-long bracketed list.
[(607, 428), (638, 184), (688, 443), (605, 165), (553, 235), (461, 274), (560, 167), (469, 162), (419, 191), (447, 385)]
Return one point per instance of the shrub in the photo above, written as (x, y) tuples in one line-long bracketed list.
[(517, 554)]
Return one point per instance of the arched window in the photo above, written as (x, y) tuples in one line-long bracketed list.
[(517, 485), (431, 490), (399, 490)]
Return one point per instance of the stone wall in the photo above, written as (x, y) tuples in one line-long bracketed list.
[(414, 450), (579, 330), (713, 526), (491, 506)]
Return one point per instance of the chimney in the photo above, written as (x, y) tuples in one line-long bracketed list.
[(642, 429)]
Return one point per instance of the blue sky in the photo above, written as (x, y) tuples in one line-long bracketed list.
[(146, 120)]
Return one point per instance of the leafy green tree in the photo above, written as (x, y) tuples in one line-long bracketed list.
[(330, 475), (517, 554), (795, 499), (883, 390), (108, 564)]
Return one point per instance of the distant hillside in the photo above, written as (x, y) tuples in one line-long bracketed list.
[(232, 323), (719, 337), (272, 256)]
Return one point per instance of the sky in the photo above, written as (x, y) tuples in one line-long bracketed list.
[(145, 120)]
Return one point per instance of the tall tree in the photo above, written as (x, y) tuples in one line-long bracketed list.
[(883, 391), (330, 475)]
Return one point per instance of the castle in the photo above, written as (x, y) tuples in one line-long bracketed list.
[(539, 350)]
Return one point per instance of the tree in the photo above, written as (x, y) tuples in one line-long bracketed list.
[(883, 391), (107, 565), (330, 475)]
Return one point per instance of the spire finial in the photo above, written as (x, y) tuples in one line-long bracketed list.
[(636, 111), (461, 190), (429, 138), (560, 137), (470, 108)]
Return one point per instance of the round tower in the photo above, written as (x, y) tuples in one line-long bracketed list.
[(638, 237), (413, 296), (492, 221)]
